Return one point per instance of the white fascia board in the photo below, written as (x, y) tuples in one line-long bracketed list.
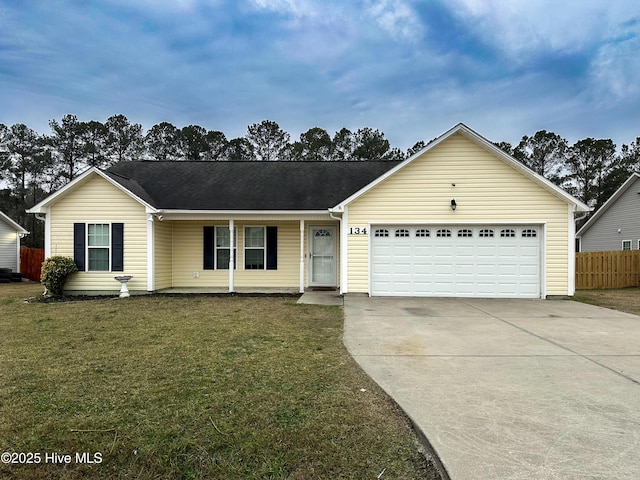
[(487, 145), (79, 180), (13, 224), (623, 188), (177, 214)]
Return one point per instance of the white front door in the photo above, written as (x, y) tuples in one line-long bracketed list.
[(322, 255)]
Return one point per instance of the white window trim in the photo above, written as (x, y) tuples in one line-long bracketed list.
[(630, 244), (216, 248), (245, 248), (87, 247)]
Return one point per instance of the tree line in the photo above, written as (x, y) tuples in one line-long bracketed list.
[(34, 165)]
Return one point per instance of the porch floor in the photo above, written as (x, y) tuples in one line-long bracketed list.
[(241, 290), (310, 296)]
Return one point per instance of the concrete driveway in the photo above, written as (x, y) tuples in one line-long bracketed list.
[(508, 389)]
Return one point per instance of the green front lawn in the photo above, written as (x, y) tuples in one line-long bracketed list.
[(192, 387)]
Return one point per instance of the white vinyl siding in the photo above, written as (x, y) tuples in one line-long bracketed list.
[(8, 246)]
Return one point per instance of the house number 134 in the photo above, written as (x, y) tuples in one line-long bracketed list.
[(357, 231)]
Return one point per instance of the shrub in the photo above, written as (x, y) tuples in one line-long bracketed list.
[(55, 271)]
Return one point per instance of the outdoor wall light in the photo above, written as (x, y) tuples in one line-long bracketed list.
[(453, 204)]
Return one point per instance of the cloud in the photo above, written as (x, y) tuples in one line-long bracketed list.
[(306, 8), (616, 70), (520, 27), (397, 17), (411, 68)]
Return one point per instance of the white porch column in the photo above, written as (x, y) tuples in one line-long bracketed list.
[(232, 263), (150, 253), (301, 256), (344, 239)]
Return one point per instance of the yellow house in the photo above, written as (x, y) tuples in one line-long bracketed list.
[(458, 218)]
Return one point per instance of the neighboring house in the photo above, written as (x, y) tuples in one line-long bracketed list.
[(616, 225), (10, 234), (459, 218)]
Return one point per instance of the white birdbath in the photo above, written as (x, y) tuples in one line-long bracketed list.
[(124, 290)]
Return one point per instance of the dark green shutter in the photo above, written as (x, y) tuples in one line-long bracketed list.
[(78, 245), (117, 247), (272, 248), (208, 254)]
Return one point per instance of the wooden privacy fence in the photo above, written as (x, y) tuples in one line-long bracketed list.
[(615, 269), (31, 262)]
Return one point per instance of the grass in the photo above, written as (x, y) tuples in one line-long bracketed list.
[(623, 299), (192, 387)]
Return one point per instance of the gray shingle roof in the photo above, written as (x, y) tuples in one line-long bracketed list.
[(246, 185)]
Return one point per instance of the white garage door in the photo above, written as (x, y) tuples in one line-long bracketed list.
[(456, 260)]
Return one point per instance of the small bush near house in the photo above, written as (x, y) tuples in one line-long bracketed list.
[(55, 271)]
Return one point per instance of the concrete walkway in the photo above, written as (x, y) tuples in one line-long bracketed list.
[(322, 297), (508, 389)]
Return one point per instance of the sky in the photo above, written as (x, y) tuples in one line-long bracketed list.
[(409, 68)]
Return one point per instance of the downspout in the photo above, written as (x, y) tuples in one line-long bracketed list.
[(43, 217), (584, 214)]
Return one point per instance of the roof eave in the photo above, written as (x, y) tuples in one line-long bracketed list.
[(16, 226), (43, 206), (170, 211)]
